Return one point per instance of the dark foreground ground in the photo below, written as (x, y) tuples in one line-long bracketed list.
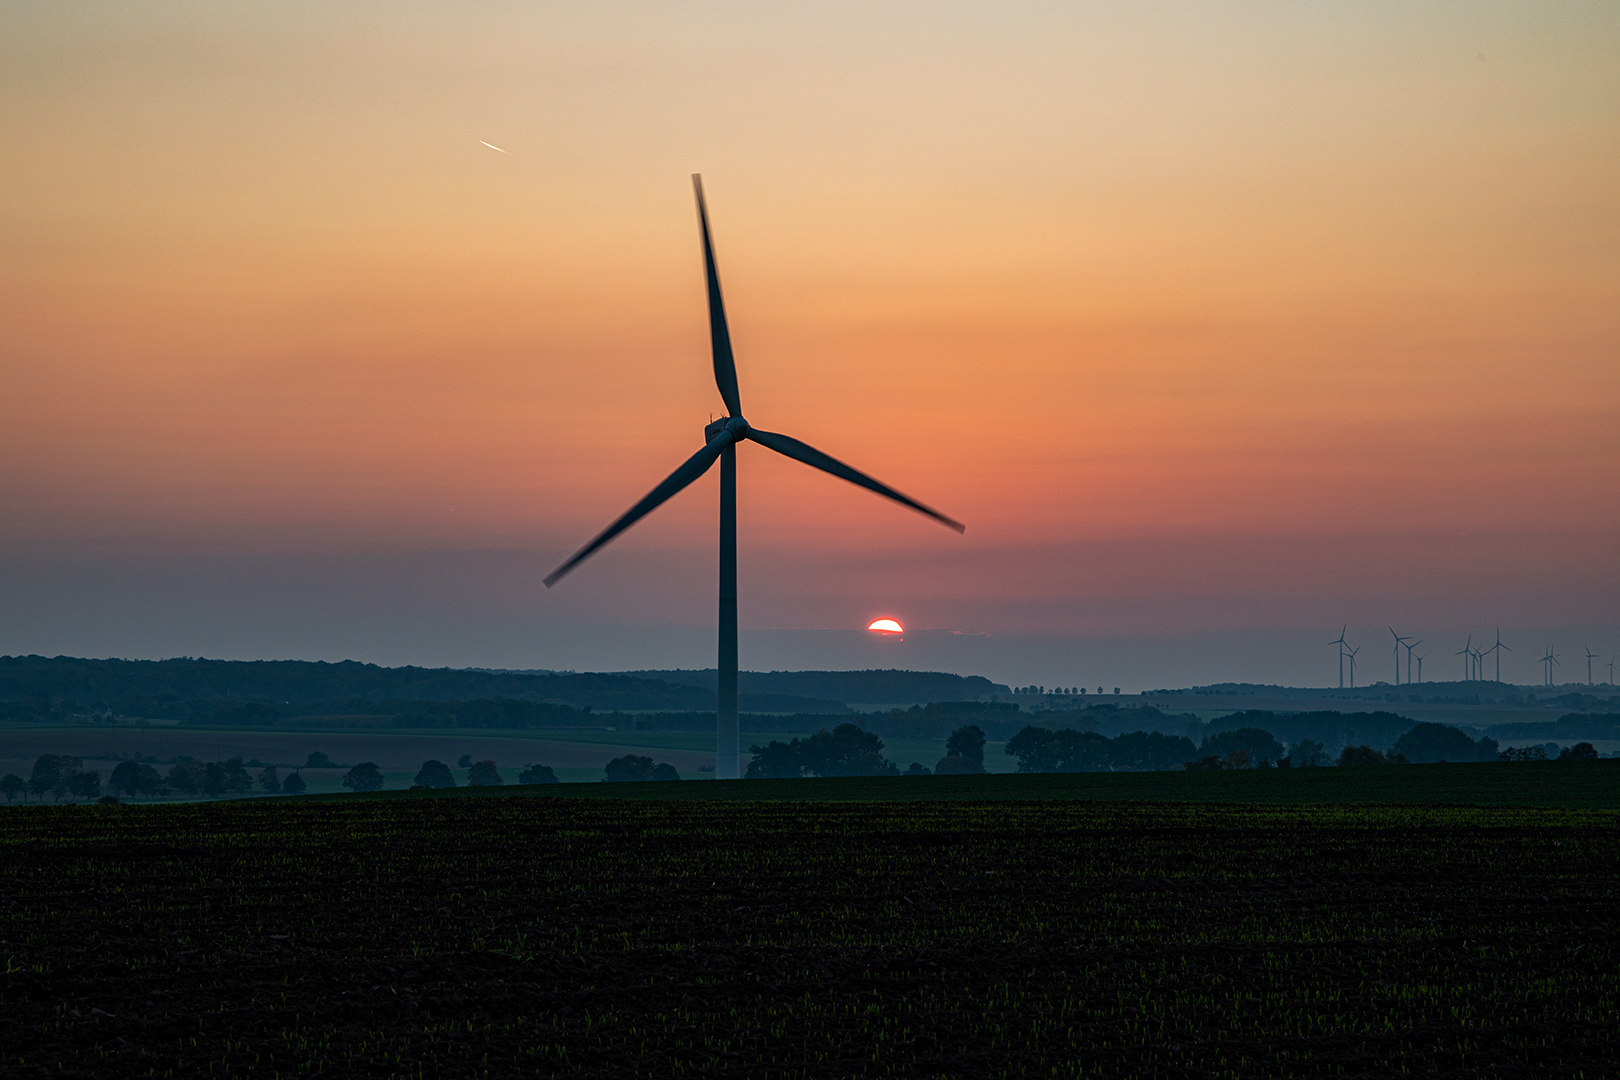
[(526, 936)]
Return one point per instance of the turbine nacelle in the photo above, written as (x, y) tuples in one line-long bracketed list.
[(738, 427)]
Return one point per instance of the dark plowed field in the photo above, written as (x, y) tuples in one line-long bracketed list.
[(523, 936)]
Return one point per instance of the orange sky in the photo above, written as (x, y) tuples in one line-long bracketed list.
[(1344, 280)]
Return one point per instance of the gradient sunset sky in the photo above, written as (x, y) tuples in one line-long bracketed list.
[(1219, 326)]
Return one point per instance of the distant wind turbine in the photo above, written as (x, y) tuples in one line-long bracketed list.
[(1420, 670), (1498, 648), (1409, 647), (1467, 652), (1342, 644), (1398, 642), (1589, 655), (1351, 654), (721, 438), (1547, 663), (1611, 669)]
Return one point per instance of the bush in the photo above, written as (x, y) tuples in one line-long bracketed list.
[(1579, 752), (294, 784), (363, 777), (484, 774), (434, 774), (1207, 764), (108, 800), (538, 774), (11, 786), (1361, 755), (269, 779), (952, 765), (918, 769), (318, 760)]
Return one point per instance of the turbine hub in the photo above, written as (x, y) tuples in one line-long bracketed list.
[(738, 427)]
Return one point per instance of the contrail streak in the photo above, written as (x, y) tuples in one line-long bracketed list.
[(492, 146)]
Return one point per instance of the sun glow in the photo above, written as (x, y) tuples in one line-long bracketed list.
[(886, 626)]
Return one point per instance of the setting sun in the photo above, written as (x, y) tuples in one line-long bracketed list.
[(886, 626)]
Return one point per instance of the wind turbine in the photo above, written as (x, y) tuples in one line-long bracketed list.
[(1342, 644), (1479, 664), (1467, 651), (1410, 646), (1420, 668), (1547, 662), (1589, 655), (720, 444), (1497, 649), (1611, 669), (1352, 655), (1398, 642)]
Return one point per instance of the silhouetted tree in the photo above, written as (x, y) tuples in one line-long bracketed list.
[(966, 742), (134, 778), (1579, 752), (186, 777), (85, 785), (775, 761), (1208, 763), (363, 777), (465, 762), (918, 769), (1259, 746), (226, 778), (318, 760), (294, 784), (1042, 750), (953, 765), (629, 768), (1360, 755), (434, 774), (634, 768), (538, 774), (1523, 753), (1149, 751), (484, 774), (1307, 754), (1442, 742), (269, 779), (11, 786), (46, 775), (846, 750)]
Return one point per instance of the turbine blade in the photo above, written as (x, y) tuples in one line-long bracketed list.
[(725, 366), (695, 466), (798, 451)]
